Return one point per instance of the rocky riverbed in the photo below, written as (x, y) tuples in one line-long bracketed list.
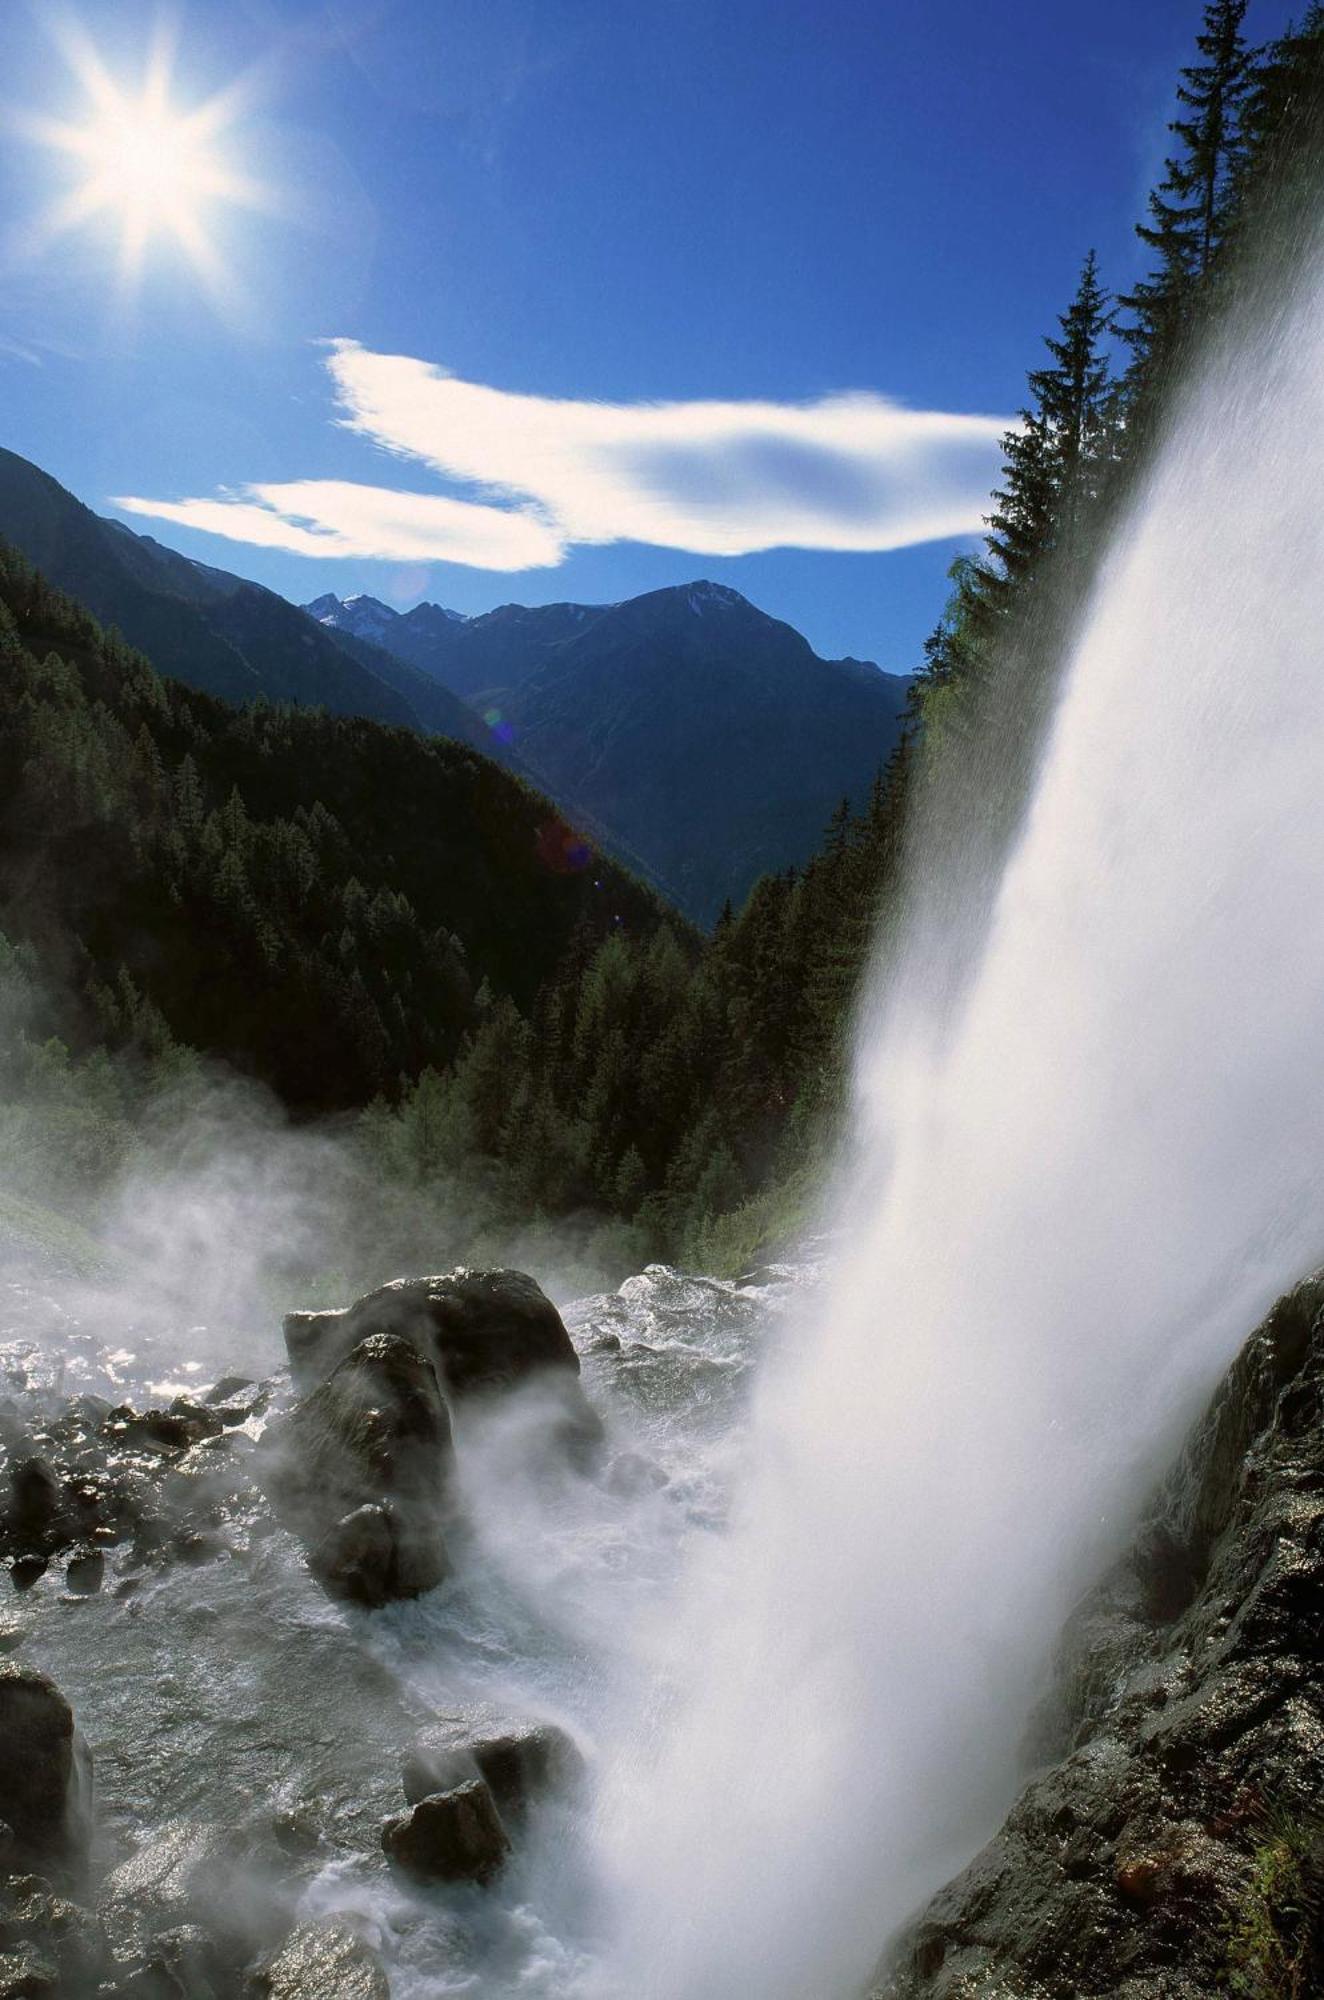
[(302, 1676)]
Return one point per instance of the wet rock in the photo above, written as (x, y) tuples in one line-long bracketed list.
[(522, 1764), (35, 1497), (230, 1389), (26, 1570), (452, 1836), (318, 1961), (43, 1936), (45, 1772), (375, 1555), (180, 1964), (483, 1330), (175, 1429), (1185, 1735), (361, 1469), (195, 1877), (28, 1974), (85, 1571), (518, 1765)]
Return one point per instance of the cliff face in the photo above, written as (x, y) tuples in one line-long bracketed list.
[(1176, 1848)]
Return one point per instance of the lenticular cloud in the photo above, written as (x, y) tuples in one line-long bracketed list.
[(852, 472)]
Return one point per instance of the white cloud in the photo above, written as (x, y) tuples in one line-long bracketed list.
[(854, 471), (336, 517)]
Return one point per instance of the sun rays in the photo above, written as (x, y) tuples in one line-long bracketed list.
[(149, 169)]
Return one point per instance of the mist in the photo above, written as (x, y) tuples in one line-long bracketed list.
[(1068, 1197)]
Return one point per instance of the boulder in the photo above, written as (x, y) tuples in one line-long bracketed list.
[(483, 1330), (324, 1962), (361, 1470), (85, 1570), (452, 1836), (192, 1877), (180, 1964), (376, 1554), (517, 1765), (35, 1499), (28, 1973), (47, 1944), (45, 1773)]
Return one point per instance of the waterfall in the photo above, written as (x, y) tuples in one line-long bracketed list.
[(1067, 1203)]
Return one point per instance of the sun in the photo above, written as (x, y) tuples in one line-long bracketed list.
[(148, 167)]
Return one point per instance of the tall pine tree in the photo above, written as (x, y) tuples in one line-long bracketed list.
[(1188, 211)]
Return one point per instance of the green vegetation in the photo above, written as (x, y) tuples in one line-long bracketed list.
[(1275, 1948)]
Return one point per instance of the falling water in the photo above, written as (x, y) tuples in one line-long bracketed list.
[(1072, 1199)]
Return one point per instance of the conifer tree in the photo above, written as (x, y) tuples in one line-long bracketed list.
[(1074, 395), (1189, 209)]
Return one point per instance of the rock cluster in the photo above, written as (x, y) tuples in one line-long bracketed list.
[(467, 1792), (360, 1465), (162, 1484), (361, 1468), (1174, 1848)]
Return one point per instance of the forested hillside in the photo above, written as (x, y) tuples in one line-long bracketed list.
[(703, 736), (376, 923), (360, 917), (214, 631), (328, 904)]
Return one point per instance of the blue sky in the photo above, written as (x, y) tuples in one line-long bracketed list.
[(790, 226)]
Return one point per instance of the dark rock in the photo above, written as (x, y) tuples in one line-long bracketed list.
[(36, 1497), (324, 1962), (230, 1389), (25, 1570), (181, 1964), (45, 1772), (453, 1836), (517, 1764), (175, 1429), (85, 1571), (28, 1974), (524, 1763), (483, 1330), (1187, 1727), (41, 1926), (375, 1555), (361, 1468)]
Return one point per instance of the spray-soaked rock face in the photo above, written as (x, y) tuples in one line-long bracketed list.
[(483, 1330), (450, 1836), (87, 1477), (361, 1470), (1176, 1849), (319, 1960), (45, 1775)]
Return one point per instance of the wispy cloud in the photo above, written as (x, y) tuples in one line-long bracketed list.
[(854, 471), (337, 517)]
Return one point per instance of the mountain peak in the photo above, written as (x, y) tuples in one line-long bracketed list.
[(704, 596)]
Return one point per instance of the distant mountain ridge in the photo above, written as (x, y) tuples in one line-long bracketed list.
[(470, 655), (706, 736), (701, 741), (210, 629)]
